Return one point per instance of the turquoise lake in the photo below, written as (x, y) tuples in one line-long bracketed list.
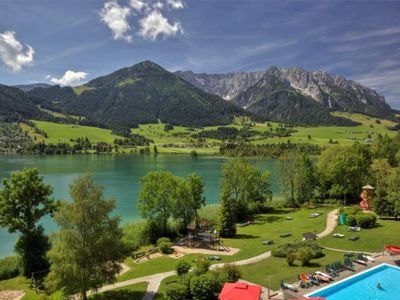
[(120, 176)]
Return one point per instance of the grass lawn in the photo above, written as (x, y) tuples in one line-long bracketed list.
[(63, 133), (21, 284), (135, 291), (279, 270), (371, 240), (249, 238)]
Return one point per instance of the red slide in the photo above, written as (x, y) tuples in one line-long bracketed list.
[(392, 249)]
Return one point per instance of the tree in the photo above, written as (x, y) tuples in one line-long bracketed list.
[(242, 183), (87, 250), (24, 200), (288, 167), (156, 199), (344, 170), (305, 179), (196, 191), (227, 219), (205, 287), (381, 171), (393, 194), (304, 255)]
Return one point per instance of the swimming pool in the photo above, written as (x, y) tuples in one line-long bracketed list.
[(363, 286)]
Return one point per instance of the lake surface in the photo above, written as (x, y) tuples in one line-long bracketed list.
[(120, 176)]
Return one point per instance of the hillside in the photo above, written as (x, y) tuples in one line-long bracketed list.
[(15, 105), (29, 87), (293, 95), (143, 93)]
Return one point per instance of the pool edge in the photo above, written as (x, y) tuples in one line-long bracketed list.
[(308, 295)]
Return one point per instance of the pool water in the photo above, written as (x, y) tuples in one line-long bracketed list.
[(364, 286)]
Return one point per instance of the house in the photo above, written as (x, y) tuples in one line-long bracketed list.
[(240, 291)]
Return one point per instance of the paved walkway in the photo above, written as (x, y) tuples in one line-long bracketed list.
[(155, 280)]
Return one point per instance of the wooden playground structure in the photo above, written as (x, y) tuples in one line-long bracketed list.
[(200, 236)]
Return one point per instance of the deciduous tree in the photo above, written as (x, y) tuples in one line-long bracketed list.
[(24, 200), (87, 250)]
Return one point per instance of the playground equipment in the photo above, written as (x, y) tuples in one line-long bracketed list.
[(366, 197)]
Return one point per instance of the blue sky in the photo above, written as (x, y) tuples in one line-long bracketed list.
[(41, 40)]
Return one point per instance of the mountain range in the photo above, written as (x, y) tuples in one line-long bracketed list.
[(292, 95), (147, 93)]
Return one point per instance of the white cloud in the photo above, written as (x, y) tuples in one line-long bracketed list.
[(158, 5), (138, 5), (116, 18), (70, 78), (175, 4), (155, 24), (47, 76), (13, 53)]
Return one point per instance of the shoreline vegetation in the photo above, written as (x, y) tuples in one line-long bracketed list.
[(242, 138)]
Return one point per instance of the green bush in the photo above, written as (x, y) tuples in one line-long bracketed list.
[(202, 265), (164, 244), (292, 247), (366, 220), (205, 287), (178, 291), (351, 220), (290, 258), (10, 267), (229, 273), (304, 255), (183, 267)]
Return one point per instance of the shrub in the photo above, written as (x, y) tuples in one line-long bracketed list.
[(202, 265), (351, 220), (304, 255), (178, 291), (164, 245), (183, 267), (229, 273), (135, 235), (290, 258), (205, 287), (365, 220), (292, 247), (10, 267)]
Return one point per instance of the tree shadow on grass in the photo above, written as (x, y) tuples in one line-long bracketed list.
[(118, 295), (268, 219)]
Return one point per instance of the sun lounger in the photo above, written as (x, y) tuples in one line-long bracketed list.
[(314, 215), (324, 274), (287, 286), (360, 262), (354, 228), (354, 238), (285, 234), (214, 257), (321, 278), (289, 218), (338, 235), (267, 242), (369, 258)]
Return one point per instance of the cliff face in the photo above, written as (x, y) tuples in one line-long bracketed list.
[(227, 86), (331, 91)]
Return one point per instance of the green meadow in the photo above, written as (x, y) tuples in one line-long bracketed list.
[(180, 140)]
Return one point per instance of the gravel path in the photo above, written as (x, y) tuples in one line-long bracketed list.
[(155, 280)]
